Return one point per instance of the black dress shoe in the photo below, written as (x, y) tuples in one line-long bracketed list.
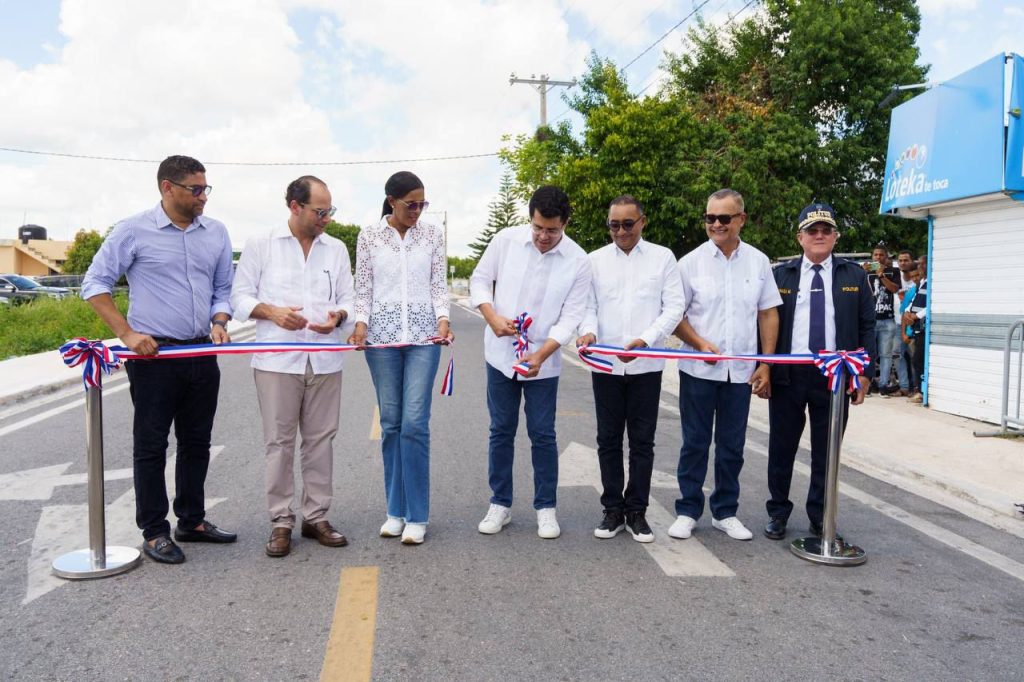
[(775, 529), (209, 533), (163, 551), (815, 529)]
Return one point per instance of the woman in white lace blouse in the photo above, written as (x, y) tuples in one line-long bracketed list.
[(402, 297)]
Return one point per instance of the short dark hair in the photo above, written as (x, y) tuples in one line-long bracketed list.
[(299, 188), (177, 168), (906, 251), (398, 186), (627, 200), (550, 201)]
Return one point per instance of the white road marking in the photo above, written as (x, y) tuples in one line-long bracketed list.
[(65, 528), (677, 558), (36, 418), (38, 484)]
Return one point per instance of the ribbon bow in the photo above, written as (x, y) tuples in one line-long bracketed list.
[(836, 363), (521, 344), (94, 355)]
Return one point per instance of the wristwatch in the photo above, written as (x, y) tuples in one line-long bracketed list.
[(223, 324)]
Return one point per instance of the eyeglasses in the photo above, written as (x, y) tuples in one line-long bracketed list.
[(723, 218), (196, 190), (415, 205), (322, 213), (625, 225), (813, 230)]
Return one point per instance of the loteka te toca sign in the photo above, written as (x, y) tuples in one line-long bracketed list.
[(949, 142)]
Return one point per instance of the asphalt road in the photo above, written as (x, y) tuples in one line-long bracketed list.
[(465, 606)]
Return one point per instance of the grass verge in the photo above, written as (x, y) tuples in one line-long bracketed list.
[(47, 323)]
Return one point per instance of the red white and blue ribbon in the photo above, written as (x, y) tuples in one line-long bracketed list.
[(97, 358), (834, 364), (522, 339), (448, 381)]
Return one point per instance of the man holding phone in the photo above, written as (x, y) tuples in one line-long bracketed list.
[(884, 281)]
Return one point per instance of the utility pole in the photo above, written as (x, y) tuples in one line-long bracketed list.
[(542, 85)]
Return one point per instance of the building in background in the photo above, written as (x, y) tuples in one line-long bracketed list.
[(32, 253), (956, 161)]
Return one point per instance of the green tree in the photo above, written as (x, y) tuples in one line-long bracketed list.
[(346, 233), (503, 212), (463, 266), (781, 107), (83, 248)]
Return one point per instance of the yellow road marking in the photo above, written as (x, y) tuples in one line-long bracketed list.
[(349, 655), (375, 424)]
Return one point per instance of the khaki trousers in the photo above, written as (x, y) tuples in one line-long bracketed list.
[(308, 404)]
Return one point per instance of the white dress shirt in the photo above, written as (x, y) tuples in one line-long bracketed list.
[(802, 312), (723, 297), (552, 287), (401, 284), (273, 270), (635, 295)]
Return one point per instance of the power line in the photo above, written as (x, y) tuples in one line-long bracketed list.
[(666, 34), (251, 163)]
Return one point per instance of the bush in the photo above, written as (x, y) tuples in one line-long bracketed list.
[(47, 323)]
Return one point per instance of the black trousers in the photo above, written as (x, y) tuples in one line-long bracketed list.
[(628, 402), (806, 394), (183, 392)]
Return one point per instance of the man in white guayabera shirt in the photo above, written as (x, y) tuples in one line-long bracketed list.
[(731, 301), (636, 300), (534, 269), (296, 282)]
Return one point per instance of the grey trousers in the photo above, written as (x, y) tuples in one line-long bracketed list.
[(309, 405)]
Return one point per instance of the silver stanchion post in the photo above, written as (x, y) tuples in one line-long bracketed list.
[(829, 548), (98, 561)]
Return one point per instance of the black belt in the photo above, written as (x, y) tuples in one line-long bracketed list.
[(166, 341)]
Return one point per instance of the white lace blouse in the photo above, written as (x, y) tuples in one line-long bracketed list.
[(401, 286)]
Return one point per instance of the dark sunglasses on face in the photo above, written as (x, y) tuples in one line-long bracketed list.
[(723, 218), (196, 190), (625, 225), (322, 213), (414, 205), (813, 230)]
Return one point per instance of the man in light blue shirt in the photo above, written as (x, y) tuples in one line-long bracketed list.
[(178, 266)]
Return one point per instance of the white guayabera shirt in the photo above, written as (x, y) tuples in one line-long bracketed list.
[(634, 296), (723, 297), (516, 278), (273, 270), (401, 285)]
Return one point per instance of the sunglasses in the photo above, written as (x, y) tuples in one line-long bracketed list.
[(196, 190), (723, 218), (414, 205), (625, 225), (813, 230), (322, 213)]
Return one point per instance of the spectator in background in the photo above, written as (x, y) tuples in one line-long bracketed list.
[(905, 263), (885, 282), (912, 320)]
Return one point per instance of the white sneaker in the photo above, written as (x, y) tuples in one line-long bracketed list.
[(497, 518), (547, 524), (392, 528), (682, 527), (413, 533), (733, 528)]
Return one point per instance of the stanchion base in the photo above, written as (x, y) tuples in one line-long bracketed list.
[(839, 554), (78, 565)]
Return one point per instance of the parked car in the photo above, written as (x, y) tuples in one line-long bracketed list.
[(63, 281), (26, 286)]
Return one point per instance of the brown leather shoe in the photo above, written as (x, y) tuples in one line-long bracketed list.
[(280, 542), (324, 533)]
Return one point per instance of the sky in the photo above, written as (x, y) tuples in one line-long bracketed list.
[(312, 82)]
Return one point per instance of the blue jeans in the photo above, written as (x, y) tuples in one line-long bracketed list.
[(903, 365), (404, 381), (702, 404), (503, 398), (887, 334)]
